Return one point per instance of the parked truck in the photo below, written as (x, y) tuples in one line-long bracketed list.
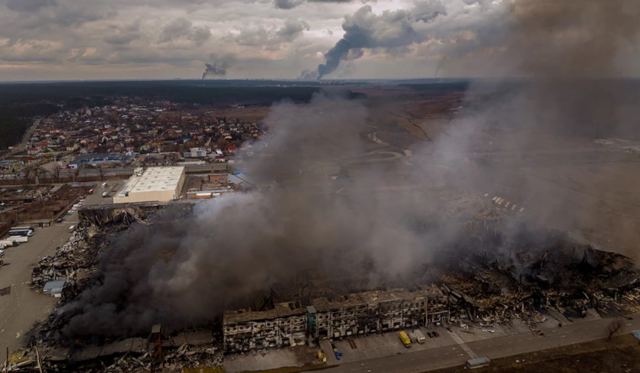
[(404, 338)]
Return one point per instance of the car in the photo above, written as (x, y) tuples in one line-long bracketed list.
[(59, 220)]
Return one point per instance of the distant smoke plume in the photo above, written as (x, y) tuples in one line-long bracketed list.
[(218, 67), (389, 30)]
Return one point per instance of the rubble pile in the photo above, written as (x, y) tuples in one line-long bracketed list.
[(192, 357), (77, 259), (129, 355), (113, 217), (168, 358), (72, 261), (560, 275)]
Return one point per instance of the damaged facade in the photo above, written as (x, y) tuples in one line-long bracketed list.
[(288, 324)]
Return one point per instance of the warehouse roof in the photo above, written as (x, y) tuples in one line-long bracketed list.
[(154, 179)]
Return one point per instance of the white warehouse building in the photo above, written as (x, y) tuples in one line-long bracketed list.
[(155, 184)]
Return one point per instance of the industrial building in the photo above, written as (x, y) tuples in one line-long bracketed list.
[(289, 324), (155, 184)]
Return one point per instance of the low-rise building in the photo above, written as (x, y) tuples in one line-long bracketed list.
[(350, 315), (155, 184), (284, 325)]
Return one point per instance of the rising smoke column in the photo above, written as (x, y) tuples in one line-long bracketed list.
[(184, 270), (367, 30), (217, 67)]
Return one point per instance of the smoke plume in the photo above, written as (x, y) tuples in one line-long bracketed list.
[(326, 209), (304, 222), (539, 137), (217, 67), (389, 30)]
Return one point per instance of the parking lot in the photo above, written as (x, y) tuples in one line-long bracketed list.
[(22, 306), (380, 345), (104, 192)]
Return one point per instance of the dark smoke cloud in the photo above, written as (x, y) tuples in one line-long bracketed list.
[(218, 66), (389, 30), (185, 270)]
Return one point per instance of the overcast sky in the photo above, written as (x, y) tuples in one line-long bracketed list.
[(147, 39)]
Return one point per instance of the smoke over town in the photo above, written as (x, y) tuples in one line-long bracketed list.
[(182, 271)]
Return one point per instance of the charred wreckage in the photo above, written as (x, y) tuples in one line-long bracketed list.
[(524, 281)]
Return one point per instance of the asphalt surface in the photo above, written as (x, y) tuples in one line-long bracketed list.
[(455, 355), (23, 307)]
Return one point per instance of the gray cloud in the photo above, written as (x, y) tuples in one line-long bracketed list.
[(290, 4), (427, 10), (274, 37), (291, 30), (29, 5), (123, 35), (182, 28), (287, 4)]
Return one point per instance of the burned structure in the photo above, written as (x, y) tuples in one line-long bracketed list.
[(524, 278), (289, 324)]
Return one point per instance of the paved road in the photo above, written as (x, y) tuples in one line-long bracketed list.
[(23, 307), (454, 355)]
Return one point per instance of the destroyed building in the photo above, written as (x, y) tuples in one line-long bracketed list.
[(521, 280), (364, 313)]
